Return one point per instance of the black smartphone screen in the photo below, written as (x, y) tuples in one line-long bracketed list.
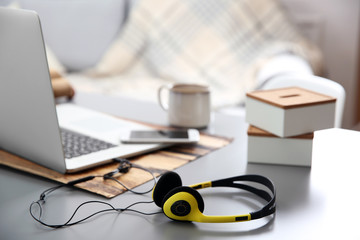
[(159, 134)]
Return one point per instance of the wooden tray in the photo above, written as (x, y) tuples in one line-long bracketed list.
[(159, 162)]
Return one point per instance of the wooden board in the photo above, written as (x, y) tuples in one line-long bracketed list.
[(254, 131), (159, 162), (292, 97)]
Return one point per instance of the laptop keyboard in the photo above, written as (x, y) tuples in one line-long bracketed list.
[(76, 144)]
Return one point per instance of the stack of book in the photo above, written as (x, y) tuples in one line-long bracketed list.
[(282, 124)]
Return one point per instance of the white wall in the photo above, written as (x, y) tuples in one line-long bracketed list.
[(334, 25)]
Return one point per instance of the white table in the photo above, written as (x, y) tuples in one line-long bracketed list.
[(321, 202)]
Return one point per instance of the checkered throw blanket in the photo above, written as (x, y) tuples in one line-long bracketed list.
[(220, 43)]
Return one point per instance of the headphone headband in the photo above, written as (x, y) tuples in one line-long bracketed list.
[(269, 208)]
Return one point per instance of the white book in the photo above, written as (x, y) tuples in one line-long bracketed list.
[(264, 147)]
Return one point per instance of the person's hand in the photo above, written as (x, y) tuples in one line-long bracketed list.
[(61, 86)]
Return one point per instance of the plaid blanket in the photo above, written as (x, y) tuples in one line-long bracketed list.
[(220, 43)]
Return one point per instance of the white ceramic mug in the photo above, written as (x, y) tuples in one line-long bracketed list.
[(188, 105)]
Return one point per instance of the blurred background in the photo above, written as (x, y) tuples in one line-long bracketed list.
[(333, 25)]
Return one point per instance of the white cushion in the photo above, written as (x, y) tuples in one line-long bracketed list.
[(79, 31)]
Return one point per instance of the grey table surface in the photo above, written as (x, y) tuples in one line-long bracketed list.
[(317, 202)]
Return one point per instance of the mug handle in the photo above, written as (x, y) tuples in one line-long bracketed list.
[(163, 105)]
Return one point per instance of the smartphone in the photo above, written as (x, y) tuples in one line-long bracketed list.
[(162, 136)]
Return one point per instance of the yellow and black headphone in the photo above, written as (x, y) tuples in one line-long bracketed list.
[(184, 203)]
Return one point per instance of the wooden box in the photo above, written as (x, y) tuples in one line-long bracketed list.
[(264, 147), (290, 111)]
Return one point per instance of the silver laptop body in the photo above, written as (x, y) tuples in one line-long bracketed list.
[(29, 122)]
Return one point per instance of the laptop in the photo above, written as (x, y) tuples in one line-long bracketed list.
[(31, 125)]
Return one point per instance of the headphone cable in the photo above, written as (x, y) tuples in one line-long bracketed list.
[(69, 223), (124, 167)]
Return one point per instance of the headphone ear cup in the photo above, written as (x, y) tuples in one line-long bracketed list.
[(166, 183), (193, 192)]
